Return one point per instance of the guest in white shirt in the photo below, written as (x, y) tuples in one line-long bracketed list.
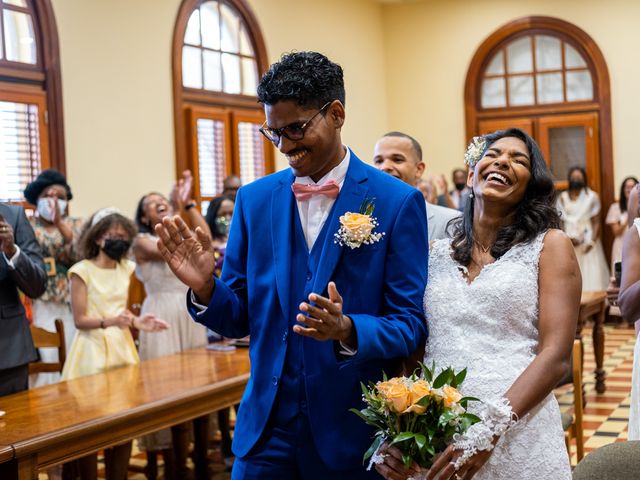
[(400, 155)]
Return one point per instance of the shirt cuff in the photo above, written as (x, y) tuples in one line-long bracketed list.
[(10, 261), (347, 351), (198, 306)]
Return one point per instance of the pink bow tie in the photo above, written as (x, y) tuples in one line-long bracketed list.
[(305, 192)]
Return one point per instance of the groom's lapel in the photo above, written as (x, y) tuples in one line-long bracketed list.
[(352, 194), (282, 224)]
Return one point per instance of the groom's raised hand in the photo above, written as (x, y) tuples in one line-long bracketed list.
[(324, 320), (189, 255)]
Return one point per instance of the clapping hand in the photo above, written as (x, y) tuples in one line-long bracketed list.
[(7, 245), (324, 319), (181, 191), (189, 255), (150, 323)]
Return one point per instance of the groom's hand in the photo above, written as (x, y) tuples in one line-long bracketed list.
[(324, 320)]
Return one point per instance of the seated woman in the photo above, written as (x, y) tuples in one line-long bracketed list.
[(629, 302)]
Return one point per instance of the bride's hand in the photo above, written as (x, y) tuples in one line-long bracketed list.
[(393, 467), (443, 467)]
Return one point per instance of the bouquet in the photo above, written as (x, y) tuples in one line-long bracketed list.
[(418, 414)]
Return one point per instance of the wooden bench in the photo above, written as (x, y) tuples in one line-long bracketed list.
[(56, 423)]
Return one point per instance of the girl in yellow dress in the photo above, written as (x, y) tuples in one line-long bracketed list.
[(99, 287)]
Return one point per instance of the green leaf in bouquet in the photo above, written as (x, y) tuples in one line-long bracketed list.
[(407, 460), (472, 417), (421, 440), (459, 378), (403, 437), (372, 449), (426, 372), (384, 376), (464, 400), (365, 390), (446, 417), (445, 377)]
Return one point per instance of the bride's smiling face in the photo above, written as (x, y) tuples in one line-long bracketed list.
[(503, 172)]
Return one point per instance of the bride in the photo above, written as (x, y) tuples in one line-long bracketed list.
[(502, 301)]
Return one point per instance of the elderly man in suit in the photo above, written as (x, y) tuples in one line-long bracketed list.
[(21, 267), (400, 155)]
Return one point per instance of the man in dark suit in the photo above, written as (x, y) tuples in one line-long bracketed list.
[(21, 267)]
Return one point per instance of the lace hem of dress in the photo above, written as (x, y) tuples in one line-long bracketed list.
[(497, 417)]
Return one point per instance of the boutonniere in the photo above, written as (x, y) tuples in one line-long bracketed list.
[(356, 229)]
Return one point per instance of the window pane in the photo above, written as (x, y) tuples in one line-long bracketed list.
[(230, 29), (249, 76), (17, 3), (548, 53), (496, 65), (246, 48), (519, 56), (493, 93), (211, 156), (204, 206), (521, 90), (191, 67), (550, 88), (572, 59), (19, 39), (19, 148), (192, 34), (567, 149), (251, 148), (210, 25), (231, 73), (212, 71), (579, 86)]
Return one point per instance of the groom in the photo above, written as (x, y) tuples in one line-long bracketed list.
[(328, 303)]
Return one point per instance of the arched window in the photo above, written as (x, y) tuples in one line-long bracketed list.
[(219, 55), (31, 133), (548, 77)]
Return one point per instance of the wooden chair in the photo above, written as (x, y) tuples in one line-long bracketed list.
[(45, 339), (572, 424)]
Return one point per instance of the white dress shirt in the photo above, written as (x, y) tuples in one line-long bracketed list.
[(315, 210)]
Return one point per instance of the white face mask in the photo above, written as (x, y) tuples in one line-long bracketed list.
[(44, 208)]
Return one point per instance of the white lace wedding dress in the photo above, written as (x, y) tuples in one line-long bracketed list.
[(490, 327)]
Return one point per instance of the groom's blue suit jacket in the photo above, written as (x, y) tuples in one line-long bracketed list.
[(382, 287)]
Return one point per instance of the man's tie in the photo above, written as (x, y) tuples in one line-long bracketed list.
[(305, 192)]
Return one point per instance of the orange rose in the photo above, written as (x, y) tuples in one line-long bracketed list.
[(419, 389), (450, 395), (396, 394), (358, 225)]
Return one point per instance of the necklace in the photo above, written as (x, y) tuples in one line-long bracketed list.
[(482, 247)]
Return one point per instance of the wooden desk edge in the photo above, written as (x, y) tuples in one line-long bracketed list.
[(94, 435)]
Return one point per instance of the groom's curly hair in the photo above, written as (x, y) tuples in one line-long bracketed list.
[(308, 78), (535, 214)]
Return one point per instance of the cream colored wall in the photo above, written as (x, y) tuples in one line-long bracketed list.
[(405, 65), (430, 43), (117, 92)]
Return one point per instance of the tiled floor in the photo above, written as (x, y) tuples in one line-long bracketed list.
[(606, 415)]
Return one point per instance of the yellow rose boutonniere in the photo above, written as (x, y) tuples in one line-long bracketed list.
[(356, 229)]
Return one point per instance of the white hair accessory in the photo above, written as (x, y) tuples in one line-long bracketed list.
[(102, 214)]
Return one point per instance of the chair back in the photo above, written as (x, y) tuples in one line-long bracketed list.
[(616, 461), (578, 399), (45, 339)]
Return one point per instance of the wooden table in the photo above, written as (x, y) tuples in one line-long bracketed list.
[(592, 304), (57, 423)]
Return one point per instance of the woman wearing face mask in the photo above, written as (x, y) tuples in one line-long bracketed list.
[(579, 208), (219, 220), (99, 288), (55, 232), (165, 296)]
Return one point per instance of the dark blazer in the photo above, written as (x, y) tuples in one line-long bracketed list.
[(382, 286), (16, 345)]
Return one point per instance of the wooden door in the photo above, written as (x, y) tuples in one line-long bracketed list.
[(571, 140), (491, 125)]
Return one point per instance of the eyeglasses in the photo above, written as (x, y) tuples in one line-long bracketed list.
[(293, 132)]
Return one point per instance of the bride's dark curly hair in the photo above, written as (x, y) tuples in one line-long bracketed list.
[(535, 214)]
